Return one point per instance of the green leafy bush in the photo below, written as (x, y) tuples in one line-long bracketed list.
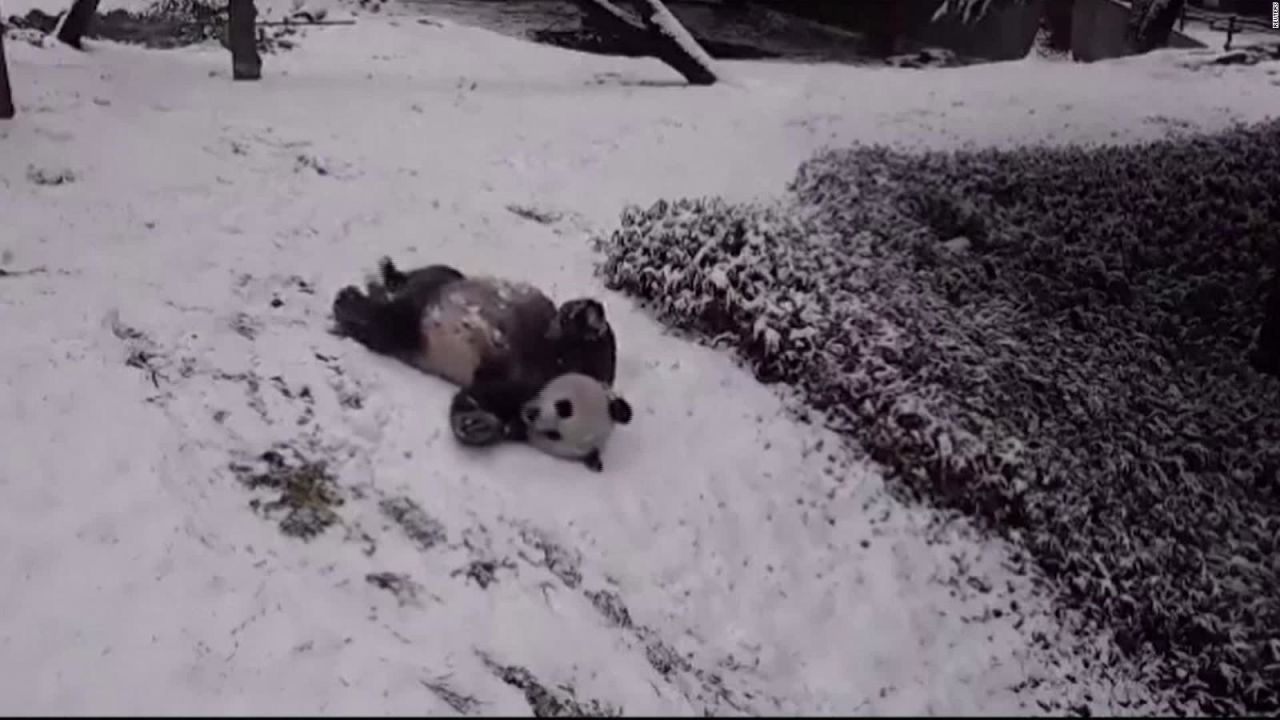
[(1051, 340)]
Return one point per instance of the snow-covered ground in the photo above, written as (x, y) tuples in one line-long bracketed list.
[(186, 235)]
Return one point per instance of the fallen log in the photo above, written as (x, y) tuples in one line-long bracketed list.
[(658, 34)]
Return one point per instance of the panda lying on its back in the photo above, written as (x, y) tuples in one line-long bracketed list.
[(502, 342)]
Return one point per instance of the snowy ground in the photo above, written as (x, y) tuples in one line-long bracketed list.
[(187, 235)]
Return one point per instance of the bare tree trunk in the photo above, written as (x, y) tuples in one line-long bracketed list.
[(886, 26), (660, 35), (76, 25), (1057, 17), (242, 37), (6, 93), (1151, 22)]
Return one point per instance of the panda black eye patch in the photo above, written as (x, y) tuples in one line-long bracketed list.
[(564, 408), (553, 435)]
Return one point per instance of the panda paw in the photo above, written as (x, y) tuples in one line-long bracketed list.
[(348, 305), (472, 425), (477, 429)]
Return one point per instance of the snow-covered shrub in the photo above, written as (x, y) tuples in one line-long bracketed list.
[(201, 20), (1052, 340), (718, 265), (832, 313)]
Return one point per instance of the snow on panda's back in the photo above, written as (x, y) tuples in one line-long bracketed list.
[(573, 417), (474, 319)]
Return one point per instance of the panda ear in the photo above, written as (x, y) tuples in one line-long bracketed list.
[(619, 410), (583, 316)]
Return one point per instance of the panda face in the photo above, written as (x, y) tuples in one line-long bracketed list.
[(564, 411), (573, 417), (554, 426), (549, 427)]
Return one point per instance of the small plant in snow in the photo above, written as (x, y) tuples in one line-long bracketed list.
[(50, 178), (306, 493)]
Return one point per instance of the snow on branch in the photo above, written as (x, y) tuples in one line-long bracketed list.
[(659, 34), (968, 10), (659, 20)]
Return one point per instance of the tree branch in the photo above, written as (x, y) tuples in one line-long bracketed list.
[(660, 35), (7, 110)]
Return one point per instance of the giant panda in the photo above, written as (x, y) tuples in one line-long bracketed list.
[(500, 341)]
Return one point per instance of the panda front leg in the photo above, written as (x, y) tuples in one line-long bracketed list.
[(472, 424), (487, 412)]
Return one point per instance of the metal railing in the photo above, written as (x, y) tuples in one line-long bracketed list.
[(1227, 23)]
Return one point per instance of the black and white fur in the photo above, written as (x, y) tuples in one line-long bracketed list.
[(573, 417), (584, 340), (500, 341)]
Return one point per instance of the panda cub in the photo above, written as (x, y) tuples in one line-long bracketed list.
[(573, 417)]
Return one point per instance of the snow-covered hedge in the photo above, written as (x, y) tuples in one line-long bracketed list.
[(1052, 340)]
